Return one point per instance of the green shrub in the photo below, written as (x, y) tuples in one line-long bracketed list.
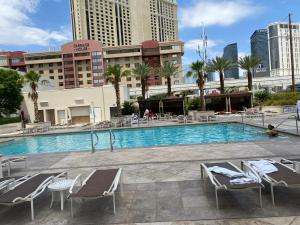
[(262, 96), (281, 99), (129, 108), (7, 120), (194, 104)]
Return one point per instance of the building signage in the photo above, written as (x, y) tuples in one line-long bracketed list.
[(81, 47)]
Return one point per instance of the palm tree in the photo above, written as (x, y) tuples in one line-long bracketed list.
[(220, 64), (197, 71), (142, 71), (113, 75), (34, 79), (249, 63), (167, 70)]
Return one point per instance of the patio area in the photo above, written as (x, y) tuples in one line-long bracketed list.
[(162, 185)]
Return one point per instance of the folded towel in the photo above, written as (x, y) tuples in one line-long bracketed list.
[(225, 172), (263, 166), (243, 180)]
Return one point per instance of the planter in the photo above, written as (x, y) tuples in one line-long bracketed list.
[(198, 115)]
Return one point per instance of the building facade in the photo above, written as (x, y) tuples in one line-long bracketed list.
[(13, 60), (82, 63), (126, 22), (152, 53), (231, 53), (78, 106), (279, 45), (260, 48), (78, 64)]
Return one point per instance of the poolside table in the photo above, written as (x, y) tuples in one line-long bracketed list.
[(60, 186)]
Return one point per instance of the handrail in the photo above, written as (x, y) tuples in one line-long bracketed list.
[(112, 139)]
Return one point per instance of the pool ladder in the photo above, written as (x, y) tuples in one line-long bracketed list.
[(112, 140)]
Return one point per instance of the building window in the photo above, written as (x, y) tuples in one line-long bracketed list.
[(128, 78), (97, 74), (51, 77), (88, 75), (60, 70), (89, 82), (50, 64), (97, 60), (97, 67), (138, 85), (51, 71), (138, 78), (60, 77), (127, 65), (61, 84), (80, 82), (31, 66), (80, 76), (40, 65), (41, 72), (129, 85), (96, 53), (79, 69)]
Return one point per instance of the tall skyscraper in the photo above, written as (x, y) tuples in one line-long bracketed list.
[(231, 53), (260, 48), (124, 22), (279, 45)]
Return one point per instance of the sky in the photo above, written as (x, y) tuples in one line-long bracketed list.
[(34, 25)]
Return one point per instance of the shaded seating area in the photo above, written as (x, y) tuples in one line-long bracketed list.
[(28, 189), (170, 105), (228, 103), (275, 174), (99, 184), (225, 176)]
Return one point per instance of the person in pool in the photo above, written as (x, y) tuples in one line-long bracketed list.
[(271, 131)]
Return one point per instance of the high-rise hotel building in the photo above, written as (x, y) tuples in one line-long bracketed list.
[(124, 22), (280, 51)]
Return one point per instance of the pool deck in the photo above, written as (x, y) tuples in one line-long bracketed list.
[(162, 186)]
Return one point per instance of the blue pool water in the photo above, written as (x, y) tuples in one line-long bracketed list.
[(132, 138)]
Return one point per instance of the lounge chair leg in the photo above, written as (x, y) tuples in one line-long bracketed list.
[(260, 198), (72, 214), (32, 209), (114, 203), (8, 169), (121, 185), (217, 200), (201, 169), (272, 194)]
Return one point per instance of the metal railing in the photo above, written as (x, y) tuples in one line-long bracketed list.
[(112, 139)]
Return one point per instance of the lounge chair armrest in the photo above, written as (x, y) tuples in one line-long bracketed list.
[(77, 179)]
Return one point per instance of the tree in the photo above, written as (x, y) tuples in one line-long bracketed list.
[(220, 64), (197, 71), (142, 71), (10, 92), (168, 70), (34, 80), (113, 75), (249, 63)]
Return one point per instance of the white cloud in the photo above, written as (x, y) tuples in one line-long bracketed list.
[(16, 27), (194, 43), (216, 12)]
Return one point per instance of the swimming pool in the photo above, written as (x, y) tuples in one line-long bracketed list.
[(134, 138)]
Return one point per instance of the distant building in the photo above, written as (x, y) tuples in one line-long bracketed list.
[(231, 53), (13, 60), (279, 45), (126, 22), (260, 48)]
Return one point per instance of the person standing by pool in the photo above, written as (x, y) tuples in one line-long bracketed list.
[(146, 114), (23, 120)]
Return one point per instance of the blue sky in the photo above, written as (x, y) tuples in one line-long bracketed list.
[(33, 25)]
